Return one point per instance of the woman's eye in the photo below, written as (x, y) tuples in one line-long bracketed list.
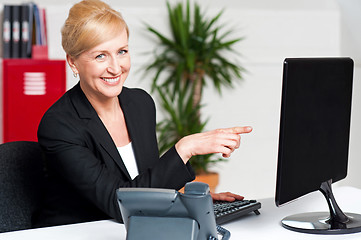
[(100, 56), (122, 52)]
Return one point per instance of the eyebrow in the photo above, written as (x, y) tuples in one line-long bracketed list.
[(100, 51)]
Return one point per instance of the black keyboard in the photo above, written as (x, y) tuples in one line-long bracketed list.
[(228, 211)]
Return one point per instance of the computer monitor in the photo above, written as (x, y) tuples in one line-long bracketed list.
[(314, 140)]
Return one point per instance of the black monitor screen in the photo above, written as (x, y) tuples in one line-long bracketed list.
[(314, 125)]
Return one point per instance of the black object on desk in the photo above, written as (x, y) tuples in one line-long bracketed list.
[(229, 211), (314, 140)]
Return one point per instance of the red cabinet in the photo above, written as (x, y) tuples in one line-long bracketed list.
[(29, 88)]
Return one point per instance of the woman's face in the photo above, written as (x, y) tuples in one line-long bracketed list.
[(103, 69)]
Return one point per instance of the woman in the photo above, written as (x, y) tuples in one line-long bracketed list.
[(101, 136)]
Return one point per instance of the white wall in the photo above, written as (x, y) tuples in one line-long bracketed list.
[(351, 46), (274, 30)]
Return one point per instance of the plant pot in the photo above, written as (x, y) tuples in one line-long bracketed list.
[(211, 178)]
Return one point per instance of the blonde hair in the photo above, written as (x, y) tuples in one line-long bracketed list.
[(90, 22)]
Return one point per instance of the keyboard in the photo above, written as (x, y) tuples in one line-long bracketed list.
[(228, 211)]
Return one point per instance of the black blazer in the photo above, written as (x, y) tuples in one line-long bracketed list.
[(84, 166)]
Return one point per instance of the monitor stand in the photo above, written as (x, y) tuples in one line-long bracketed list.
[(334, 222)]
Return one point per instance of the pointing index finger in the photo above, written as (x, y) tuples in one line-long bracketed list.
[(238, 130)]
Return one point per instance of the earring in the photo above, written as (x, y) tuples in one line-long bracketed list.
[(75, 74)]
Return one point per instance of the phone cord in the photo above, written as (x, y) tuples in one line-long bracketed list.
[(224, 232)]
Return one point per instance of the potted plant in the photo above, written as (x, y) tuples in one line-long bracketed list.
[(183, 64)]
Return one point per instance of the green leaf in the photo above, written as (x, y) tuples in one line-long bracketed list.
[(199, 49)]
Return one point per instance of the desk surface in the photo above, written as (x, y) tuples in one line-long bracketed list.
[(264, 226)]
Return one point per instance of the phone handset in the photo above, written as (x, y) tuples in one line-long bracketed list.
[(201, 205)]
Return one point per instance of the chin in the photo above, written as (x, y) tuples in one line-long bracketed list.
[(113, 92)]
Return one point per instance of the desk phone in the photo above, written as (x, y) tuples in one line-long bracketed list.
[(165, 214)]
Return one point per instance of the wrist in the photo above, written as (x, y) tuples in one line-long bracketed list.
[(182, 150)]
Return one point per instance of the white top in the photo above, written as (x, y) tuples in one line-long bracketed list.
[(127, 154)]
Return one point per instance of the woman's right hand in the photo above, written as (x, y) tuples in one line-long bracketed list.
[(223, 141)]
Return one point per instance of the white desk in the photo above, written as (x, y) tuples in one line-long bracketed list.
[(264, 226)]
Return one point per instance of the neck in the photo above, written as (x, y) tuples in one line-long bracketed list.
[(108, 110), (106, 107)]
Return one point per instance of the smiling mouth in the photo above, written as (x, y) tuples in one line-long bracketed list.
[(110, 80)]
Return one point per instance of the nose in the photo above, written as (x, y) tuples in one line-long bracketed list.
[(114, 66)]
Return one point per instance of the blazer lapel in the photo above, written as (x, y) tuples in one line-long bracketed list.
[(132, 122), (88, 114), (107, 143)]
